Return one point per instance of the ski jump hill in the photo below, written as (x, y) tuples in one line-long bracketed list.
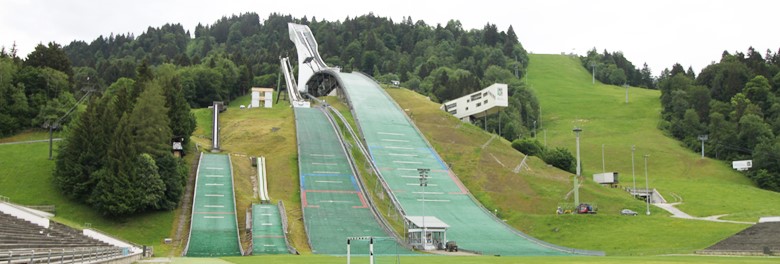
[(397, 150)]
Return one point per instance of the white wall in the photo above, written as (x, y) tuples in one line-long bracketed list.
[(111, 241), (23, 214)]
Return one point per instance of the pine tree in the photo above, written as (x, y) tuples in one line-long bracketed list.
[(182, 121), (147, 184), (173, 173), (510, 42), (149, 123), (113, 193), (71, 175)]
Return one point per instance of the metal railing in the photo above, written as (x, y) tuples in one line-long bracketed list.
[(372, 205), (62, 255), (283, 217)]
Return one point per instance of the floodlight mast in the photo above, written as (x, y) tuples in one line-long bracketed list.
[(647, 187), (577, 131), (703, 138), (633, 174), (626, 85), (423, 183)]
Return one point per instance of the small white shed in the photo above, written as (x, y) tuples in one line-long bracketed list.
[(429, 227)]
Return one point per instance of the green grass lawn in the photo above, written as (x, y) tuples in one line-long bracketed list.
[(527, 200), (26, 177), (568, 99)]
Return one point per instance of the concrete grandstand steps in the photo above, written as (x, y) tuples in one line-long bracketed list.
[(759, 239), (18, 234)]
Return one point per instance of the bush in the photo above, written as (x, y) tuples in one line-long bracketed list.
[(530, 147), (765, 179), (560, 158)]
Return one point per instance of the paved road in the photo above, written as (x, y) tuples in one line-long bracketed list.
[(30, 141), (669, 207)]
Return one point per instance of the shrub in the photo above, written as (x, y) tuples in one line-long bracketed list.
[(560, 158), (530, 147)]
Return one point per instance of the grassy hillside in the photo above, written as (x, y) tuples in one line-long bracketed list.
[(527, 200), (707, 187), (26, 177), (259, 132)]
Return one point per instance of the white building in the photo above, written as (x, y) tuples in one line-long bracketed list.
[(479, 104), (426, 232), (264, 95)]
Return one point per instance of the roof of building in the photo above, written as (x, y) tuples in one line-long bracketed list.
[(430, 221)]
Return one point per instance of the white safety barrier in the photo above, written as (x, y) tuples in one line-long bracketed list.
[(21, 213), (111, 240)]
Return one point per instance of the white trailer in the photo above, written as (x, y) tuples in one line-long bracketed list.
[(742, 165), (606, 178)]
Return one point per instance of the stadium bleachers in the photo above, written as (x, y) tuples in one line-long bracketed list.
[(23, 242)]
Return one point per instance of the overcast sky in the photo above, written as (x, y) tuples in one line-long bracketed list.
[(658, 32)]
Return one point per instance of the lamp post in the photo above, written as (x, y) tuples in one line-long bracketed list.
[(626, 86), (424, 183), (703, 138), (633, 174), (593, 65), (647, 187), (603, 161), (577, 131)]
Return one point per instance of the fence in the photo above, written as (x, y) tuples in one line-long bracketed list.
[(70, 255)]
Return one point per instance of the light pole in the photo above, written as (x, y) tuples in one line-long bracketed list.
[(593, 66), (633, 174), (603, 161), (577, 131), (499, 122), (626, 86), (534, 128), (647, 187), (423, 183), (703, 138)]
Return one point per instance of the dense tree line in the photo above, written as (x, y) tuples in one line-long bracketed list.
[(117, 155), (36, 91), (613, 68), (222, 60), (735, 103)]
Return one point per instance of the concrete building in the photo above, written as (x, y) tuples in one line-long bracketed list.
[(479, 104)]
